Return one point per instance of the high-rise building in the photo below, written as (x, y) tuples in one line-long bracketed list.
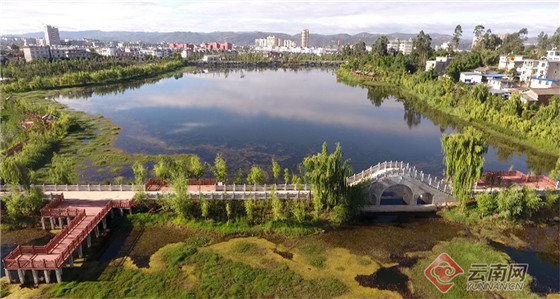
[(51, 35), (305, 38)]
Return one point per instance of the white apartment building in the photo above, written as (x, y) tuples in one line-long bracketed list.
[(439, 65), (529, 69), (36, 52), (398, 45), (290, 44), (509, 62), (553, 55)]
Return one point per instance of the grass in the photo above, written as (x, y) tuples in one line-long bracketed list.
[(465, 252)]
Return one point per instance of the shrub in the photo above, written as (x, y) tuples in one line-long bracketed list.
[(298, 210), (338, 214), (486, 203), (249, 207)]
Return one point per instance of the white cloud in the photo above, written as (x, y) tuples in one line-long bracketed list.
[(20, 16)]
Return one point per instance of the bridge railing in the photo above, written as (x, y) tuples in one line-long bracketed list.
[(241, 195), (61, 188), (262, 188), (392, 168)]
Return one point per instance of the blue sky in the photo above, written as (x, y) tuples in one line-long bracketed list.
[(326, 17)]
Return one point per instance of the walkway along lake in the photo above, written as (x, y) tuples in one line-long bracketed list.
[(254, 116)]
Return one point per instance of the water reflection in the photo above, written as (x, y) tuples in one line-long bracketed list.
[(252, 116)]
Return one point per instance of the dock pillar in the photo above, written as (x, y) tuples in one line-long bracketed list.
[(96, 231), (80, 251), (52, 223), (35, 276), (122, 212), (21, 275), (68, 220), (112, 214), (43, 223), (8, 276), (58, 275), (71, 260), (130, 211), (104, 221), (60, 222), (47, 275), (88, 241)]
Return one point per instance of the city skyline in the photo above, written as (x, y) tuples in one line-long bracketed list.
[(322, 17)]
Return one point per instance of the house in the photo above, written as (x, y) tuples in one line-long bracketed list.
[(543, 83), (509, 62), (553, 55), (497, 82), (211, 58), (439, 64), (539, 95), (529, 69), (470, 78)]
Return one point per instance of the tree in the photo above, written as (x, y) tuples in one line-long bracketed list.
[(359, 48), (486, 203), (555, 40), (276, 169), (422, 49), (14, 172), (286, 175), (542, 44), (478, 31), (62, 170), (256, 176), (219, 169), (464, 161), (379, 47), (238, 179), (513, 43), (277, 207), (327, 173), (165, 167), (457, 36), (197, 168), (140, 173), (26, 205)]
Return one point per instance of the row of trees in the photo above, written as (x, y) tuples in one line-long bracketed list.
[(106, 75), (515, 203), (332, 200)]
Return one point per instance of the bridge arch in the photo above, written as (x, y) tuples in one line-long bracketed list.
[(391, 194)]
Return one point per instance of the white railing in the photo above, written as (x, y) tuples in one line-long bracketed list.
[(262, 188), (61, 188), (239, 195), (396, 168)]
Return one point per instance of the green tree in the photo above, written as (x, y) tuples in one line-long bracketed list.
[(510, 203), (256, 176), (286, 175), (542, 44), (421, 48), (555, 40), (359, 48), (277, 207), (457, 37), (140, 173), (513, 43), (24, 205), (478, 32), (238, 179), (327, 173), (298, 210), (486, 203), (276, 169), (249, 208), (62, 170), (464, 161), (219, 169), (15, 172), (197, 168), (379, 47), (165, 167)]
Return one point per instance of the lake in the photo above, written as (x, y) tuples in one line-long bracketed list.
[(253, 116)]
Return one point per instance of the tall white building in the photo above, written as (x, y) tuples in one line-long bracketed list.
[(290, 44), (398, 45), (51, 35), (305, 38)]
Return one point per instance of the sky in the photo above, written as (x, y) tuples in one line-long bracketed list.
[(324, 17)]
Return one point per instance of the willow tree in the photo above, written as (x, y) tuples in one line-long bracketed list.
[(327, 172), (464, 161)]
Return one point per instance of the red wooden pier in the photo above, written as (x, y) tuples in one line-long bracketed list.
[(82, 217)]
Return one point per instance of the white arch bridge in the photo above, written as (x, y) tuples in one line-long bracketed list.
[(415, 186)]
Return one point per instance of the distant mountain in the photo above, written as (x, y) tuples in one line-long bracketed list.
[(237, 38)]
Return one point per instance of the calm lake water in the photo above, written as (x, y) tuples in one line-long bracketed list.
[(253, 116)]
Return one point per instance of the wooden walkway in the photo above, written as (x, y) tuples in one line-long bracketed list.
[(82, 217)]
